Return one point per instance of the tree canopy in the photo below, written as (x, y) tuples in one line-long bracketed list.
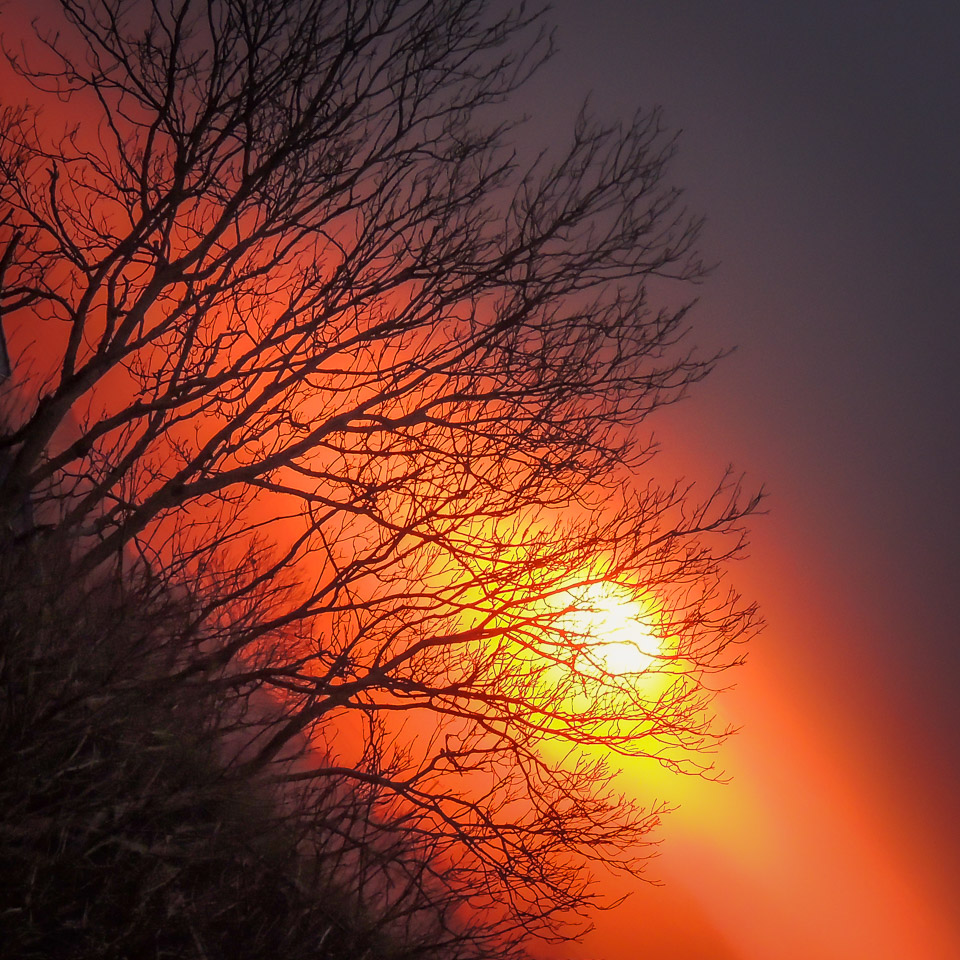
[(303, 338)]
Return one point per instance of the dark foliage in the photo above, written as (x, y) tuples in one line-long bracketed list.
[(124, 833)]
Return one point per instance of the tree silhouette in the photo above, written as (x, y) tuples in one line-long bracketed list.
[(302, 339)]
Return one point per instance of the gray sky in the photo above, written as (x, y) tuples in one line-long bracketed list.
[(822, 141)]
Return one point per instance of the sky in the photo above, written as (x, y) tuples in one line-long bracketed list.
[(821, 140)]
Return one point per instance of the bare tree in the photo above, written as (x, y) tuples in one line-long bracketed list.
[(309, 340)]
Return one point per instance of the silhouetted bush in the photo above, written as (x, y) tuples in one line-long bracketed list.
[(125, 833)]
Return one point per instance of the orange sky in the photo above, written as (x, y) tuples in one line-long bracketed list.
[(814, 848), (797, 857)]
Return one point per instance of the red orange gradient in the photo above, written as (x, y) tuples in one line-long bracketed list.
[(803, 854)]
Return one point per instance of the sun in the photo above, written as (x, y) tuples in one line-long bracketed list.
[(623, 640)]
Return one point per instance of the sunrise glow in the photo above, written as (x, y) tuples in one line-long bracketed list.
[(623, 639)]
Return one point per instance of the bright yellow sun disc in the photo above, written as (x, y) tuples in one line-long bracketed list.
[(623, 641)]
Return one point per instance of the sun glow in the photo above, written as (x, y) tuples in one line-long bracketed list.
[(616, 627)]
